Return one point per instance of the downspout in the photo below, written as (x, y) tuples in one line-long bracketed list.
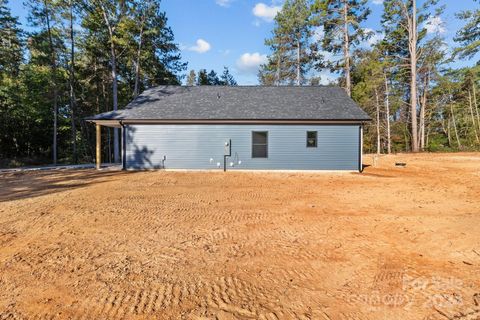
[(124, 145)]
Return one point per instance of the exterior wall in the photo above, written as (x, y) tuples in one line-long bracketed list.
[(197, 146)]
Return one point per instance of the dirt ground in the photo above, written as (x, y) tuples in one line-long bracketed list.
[(390, 243)]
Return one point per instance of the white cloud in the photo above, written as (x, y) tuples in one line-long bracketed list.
[(250, 62), (223, 3), (434, 25), (266, 12), (201, 46), (377, 1)]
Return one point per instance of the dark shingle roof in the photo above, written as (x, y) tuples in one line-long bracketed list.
[(239, 103)]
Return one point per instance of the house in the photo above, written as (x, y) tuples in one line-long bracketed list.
[(240, 127)]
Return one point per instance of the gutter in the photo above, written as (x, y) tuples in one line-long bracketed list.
[(114, 122)]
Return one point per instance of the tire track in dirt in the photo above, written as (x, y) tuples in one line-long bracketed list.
[(190, 212), (238, 245), (226, 294), (241, 298), (118, 304)]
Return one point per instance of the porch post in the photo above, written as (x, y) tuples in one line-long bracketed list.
[(98, 161), (360, 149)]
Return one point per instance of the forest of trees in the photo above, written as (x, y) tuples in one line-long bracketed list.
[(211, 78), (404, 81), (82, 57)]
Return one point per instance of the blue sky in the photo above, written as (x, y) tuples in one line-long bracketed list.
[(218, 33)]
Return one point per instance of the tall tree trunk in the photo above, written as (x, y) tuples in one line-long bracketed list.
[(387, 114), (278, 73), (406, 136), (53, 61), (427, 135), (449, 136), (97, 86), (423, 105), (455, 127), (421, 136), (113, 61), (116, 151), (72, 89), (475, 104), (472, 116), (377, 106), (138, 61), (106, 108), (346, 49), (298, 63), (89, 152), (412, 45)]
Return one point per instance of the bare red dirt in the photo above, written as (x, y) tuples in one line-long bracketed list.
[(390, 243)]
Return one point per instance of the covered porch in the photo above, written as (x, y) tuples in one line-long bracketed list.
[(116, 124)]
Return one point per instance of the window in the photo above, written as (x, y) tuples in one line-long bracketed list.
[(259, 144), (311, 139)]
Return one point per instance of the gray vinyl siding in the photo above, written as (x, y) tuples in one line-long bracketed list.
[(202, 147)]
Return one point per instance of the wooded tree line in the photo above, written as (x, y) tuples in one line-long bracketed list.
[(404, 80), (211, 78), (83, 57)]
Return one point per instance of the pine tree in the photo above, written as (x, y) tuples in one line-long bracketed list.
[(368, 88), (113, 14), (139, 22), (268, 73), (157, 57), (192, 78), (202, 79), (227, 79), (403, 36), (68, 10), (455, 109), (44, 14), (11, 56), (469, 35), (68, 68), (10, 46), (469, 87), (429, 69), (341, 17), (293, 53), (212, 78)]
